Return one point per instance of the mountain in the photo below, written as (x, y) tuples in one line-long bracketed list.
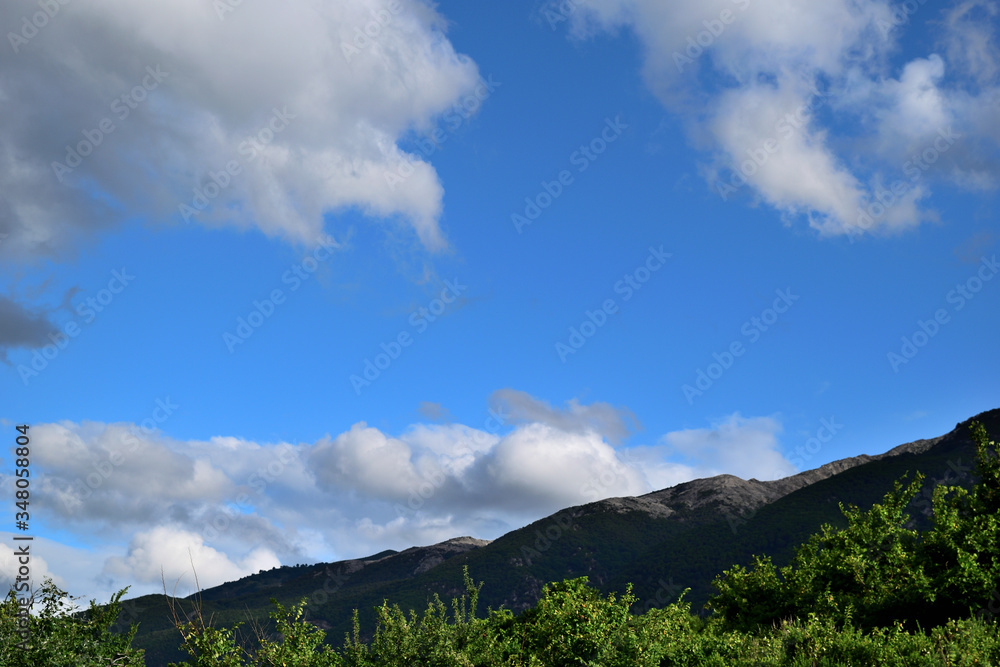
[(662, 542)]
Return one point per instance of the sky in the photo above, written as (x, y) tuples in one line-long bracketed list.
[(295, 282)]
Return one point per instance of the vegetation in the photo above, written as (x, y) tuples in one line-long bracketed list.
[(59, 639), (874, 592)]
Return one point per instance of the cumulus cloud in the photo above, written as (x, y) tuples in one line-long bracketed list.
[(147, 106), (178, 556), (749, 79), (233, 506), (366, 461)]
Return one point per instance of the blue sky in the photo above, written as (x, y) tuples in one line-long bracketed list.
[(491, 252)]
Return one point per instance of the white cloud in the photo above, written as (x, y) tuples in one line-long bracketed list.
[(751, 63), (178, 556), (538, 466), (970, 42), (745, 447), (788, 162), (917, 107), (366, 461), (218, 83)]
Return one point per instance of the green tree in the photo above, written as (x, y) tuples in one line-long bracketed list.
[(876, 570), (962, 551), (58, 637)]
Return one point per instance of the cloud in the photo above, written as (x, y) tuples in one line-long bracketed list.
[(970, 42), (800, 175), (745, 447), (178, 556), (433, 411), (114, 473), (971, 250), (146, 107), (22, 327), (616, 424), (806, 106), (366, 461)]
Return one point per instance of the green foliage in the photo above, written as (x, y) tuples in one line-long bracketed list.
[(876, 570), (210, 646), (301, 643), (962, 552), (60, 638)]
